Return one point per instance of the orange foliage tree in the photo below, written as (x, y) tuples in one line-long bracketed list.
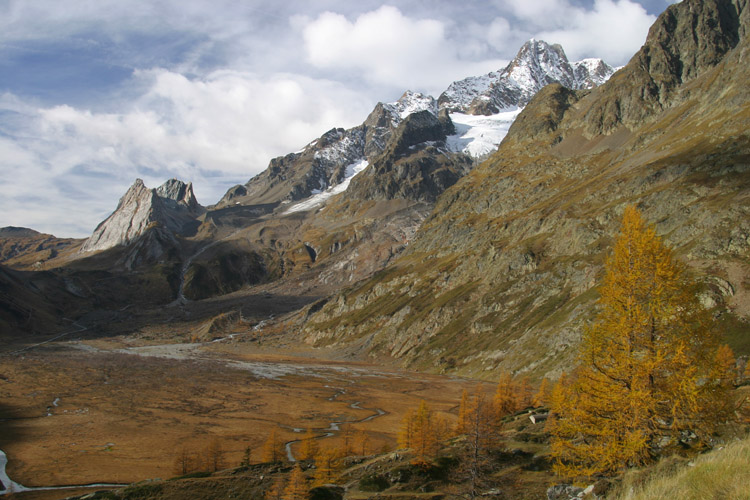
[(646, 364), (481, 438), (186, 462), (541, 398), (297, 488), (463, 414), (309, 446), (273, 448), (361, 443), (511, 395), (420, 431), (276, 490), (325, 466)]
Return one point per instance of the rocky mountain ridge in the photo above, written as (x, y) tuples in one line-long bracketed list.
[(503, 273), (537, 64), (172, 206), (323, 163)]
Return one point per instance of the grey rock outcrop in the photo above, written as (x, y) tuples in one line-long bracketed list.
[(323, 163), (536, 65), (414, 165), (172, 206), (503, 274)]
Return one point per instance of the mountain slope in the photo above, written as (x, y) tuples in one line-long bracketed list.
[(323, 163), (29, 249), (503, 273)]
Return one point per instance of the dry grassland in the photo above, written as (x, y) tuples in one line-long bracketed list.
[(72, 416)]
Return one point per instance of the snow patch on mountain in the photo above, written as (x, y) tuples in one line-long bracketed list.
[(411, 102), (463, 92), (479, 135), (320, 197), (346, 146), (537, 64)]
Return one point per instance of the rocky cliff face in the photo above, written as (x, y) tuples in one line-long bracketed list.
[(324, 163), (172, 206), (503, 274), (415, 165), (537, 64)]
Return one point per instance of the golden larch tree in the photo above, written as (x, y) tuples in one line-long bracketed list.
[(186, 462), (309, 445), (406, 432), (276, 491), (522, 394), (347, 441), (726, 366), (481, 439), (326, 466), (296, 488), (505, 399), (273, 448), (541, 398), (362, 443), (463, 412), (424, 438), (214, 456), (645, 364)]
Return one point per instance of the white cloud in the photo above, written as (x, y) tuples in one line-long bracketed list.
[(215, 131), (63, 166), (612, 29), (388, 48)]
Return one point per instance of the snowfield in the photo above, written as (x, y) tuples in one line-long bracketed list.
[(318, 199), (479, 135)]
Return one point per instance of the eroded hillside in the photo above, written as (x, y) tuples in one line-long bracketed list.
[(504, 271)]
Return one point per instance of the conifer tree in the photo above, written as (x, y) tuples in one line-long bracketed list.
[(214, 456), (505, 396), (296, 488), (276, 491), (406, 432), (481, 438), (645, 364), (361, 443), (541, 398), (347, 441), (273, 448), (463, 411), (725, 366), (424, 435), (245, 462), (325, 466), (309, 447), (522, 394), (185, 463)]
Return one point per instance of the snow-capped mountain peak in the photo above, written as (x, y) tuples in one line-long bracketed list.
[(411, 102), (537, 64)]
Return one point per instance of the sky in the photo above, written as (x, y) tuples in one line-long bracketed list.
[(97, 93)]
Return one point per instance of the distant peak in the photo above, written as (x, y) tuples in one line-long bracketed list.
[(412, 102)]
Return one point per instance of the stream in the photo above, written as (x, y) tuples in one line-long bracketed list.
[(10, 486), (189, 351), (335, 426)]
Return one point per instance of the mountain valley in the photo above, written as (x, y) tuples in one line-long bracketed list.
[(440, 243)]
